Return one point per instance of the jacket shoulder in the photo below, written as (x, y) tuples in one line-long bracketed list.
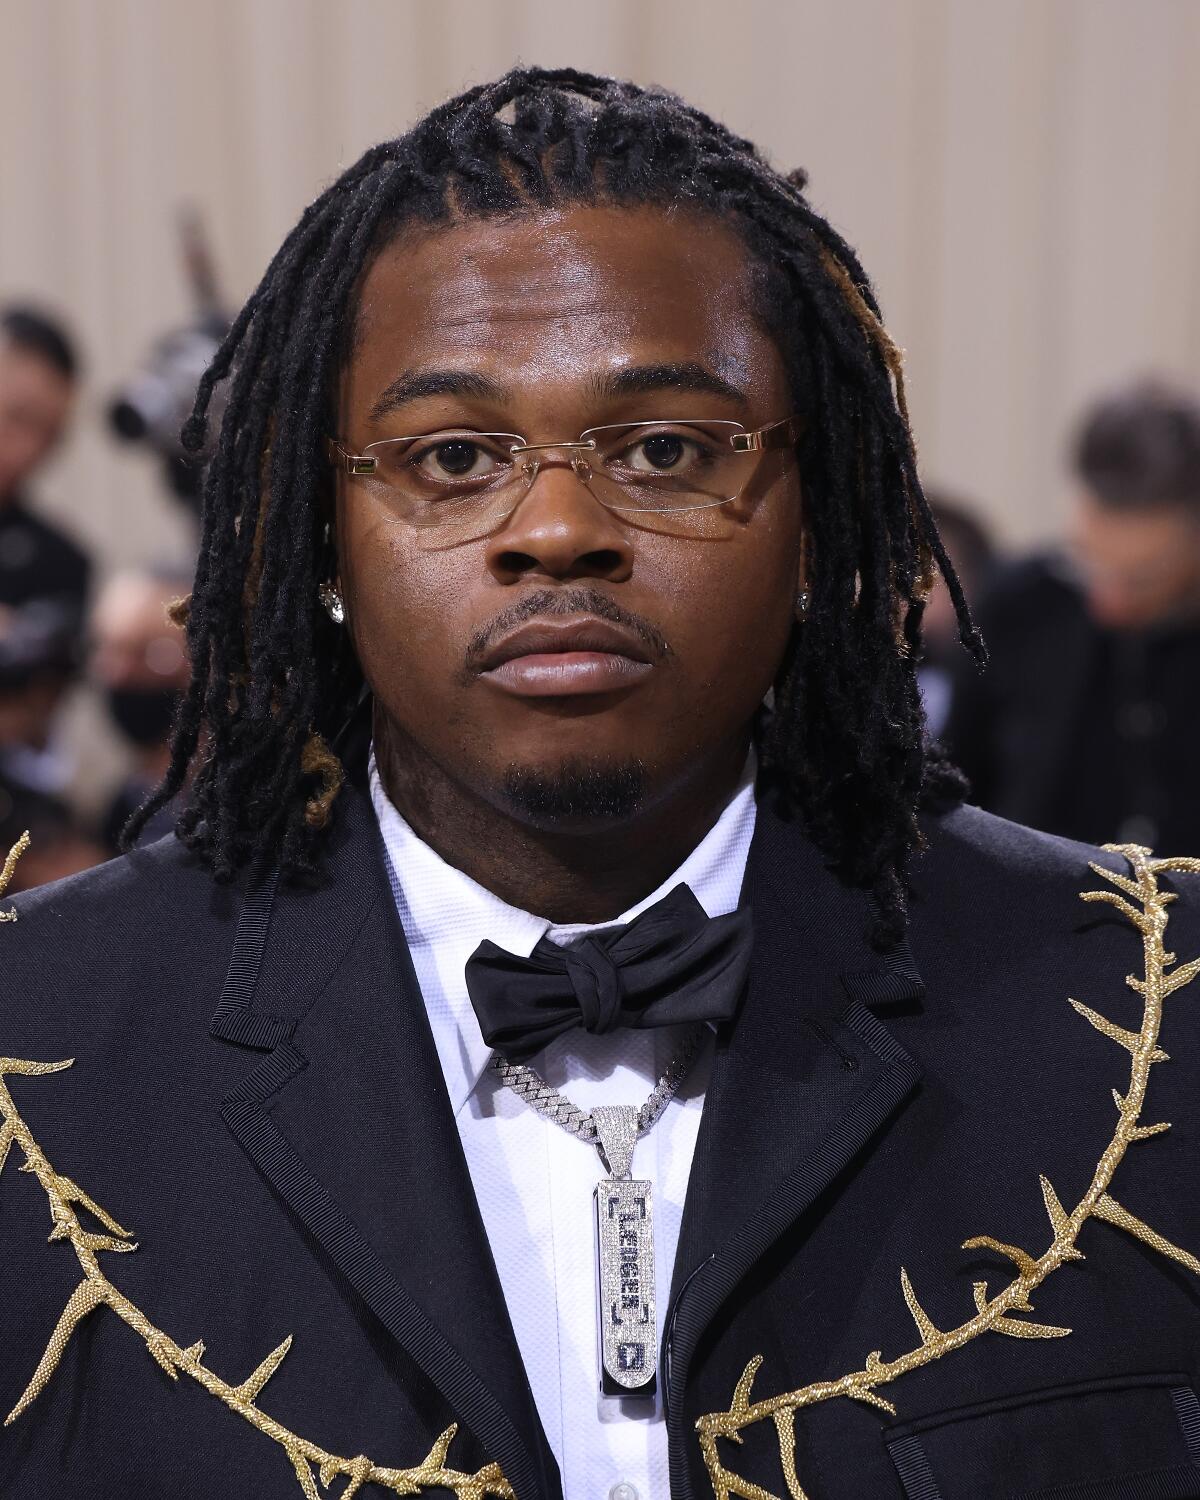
[(85, 952), (967, 836), (992, 894), (158, 876)]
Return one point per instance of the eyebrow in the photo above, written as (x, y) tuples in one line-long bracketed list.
[(688, 376), (412, 385)]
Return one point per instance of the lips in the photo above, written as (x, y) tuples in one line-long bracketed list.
[(549, 658)]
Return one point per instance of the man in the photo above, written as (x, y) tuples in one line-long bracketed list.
[(139, 664), (43, 574), (43, 590), (1085, 721), (38, 377), (580, 425)]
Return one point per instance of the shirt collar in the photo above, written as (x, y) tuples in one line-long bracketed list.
[(446, 915)]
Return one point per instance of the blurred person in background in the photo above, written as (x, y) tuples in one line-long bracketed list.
[(1084, 722), (970, 547), (44, 578), (38, 376), (139, 666), (60, 844), (43, 573)]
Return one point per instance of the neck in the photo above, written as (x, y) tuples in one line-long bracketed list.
[(589, 874)]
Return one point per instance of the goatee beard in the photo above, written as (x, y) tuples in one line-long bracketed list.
[(577, 791)]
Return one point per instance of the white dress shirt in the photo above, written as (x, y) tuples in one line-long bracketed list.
[(532, 1179)]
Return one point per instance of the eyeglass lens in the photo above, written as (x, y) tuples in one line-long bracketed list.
[(440, 478)]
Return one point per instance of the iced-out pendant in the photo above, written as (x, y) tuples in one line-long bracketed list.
[(624, 1261)]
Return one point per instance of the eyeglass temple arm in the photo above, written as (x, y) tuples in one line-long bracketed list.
[(353, 463), (778, 435)]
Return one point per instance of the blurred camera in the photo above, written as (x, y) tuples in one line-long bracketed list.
[(153, 406), (156, 402)]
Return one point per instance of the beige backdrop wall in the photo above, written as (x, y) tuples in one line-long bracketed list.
[(1022, 178)]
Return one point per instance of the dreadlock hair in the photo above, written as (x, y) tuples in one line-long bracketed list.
[(272, 677)]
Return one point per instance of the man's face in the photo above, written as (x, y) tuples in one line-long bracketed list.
[(134, 644), (544, 314), (1139, 568), (35, 401)]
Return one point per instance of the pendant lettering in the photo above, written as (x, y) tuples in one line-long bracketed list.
[(625, 1263)]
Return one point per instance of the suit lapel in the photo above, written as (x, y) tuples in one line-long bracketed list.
[(801, 1082), (348, 1119)]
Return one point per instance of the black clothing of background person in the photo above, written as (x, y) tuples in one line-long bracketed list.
[(38, 561), (279, 1142), (44, 580), (1082, 731)]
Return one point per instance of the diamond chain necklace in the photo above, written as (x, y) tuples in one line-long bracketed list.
[(551, 1105), (628, 1342)]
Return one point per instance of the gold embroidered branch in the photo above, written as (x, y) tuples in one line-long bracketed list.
[(1141, 901), (95, 1290), (6, 874)]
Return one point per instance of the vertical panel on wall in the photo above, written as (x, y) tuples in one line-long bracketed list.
[(1021, 179), (916, 313), (996, 324), (1131, 181), (1175, 232)]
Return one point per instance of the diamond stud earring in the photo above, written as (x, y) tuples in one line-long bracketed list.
[(332, 601), (802, 601)]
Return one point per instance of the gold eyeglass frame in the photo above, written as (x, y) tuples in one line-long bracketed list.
[(775, 435)]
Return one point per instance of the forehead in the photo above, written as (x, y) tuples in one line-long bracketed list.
[(30, 374), (561, 294)]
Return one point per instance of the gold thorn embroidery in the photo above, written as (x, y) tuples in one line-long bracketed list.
[(1109, 1209), (929, 1334), (253, 1384), (6, 874), (993, 1315), (1128, 1039), (95, 1290)]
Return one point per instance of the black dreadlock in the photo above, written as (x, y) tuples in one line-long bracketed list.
[(271, 677)]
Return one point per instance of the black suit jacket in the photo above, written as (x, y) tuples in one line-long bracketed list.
[(276, 1136)]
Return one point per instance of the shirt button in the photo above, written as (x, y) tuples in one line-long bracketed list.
[(623, 1491)]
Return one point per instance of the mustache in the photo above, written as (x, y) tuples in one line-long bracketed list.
[(579, 600)]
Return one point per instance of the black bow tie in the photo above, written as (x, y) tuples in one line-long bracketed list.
[(673, 964)]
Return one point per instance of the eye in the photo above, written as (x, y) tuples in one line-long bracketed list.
[(455, 458), (662, 453)]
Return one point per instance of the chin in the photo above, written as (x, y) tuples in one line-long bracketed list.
[(577, 792)]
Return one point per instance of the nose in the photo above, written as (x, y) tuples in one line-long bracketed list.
[(560, 530)]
